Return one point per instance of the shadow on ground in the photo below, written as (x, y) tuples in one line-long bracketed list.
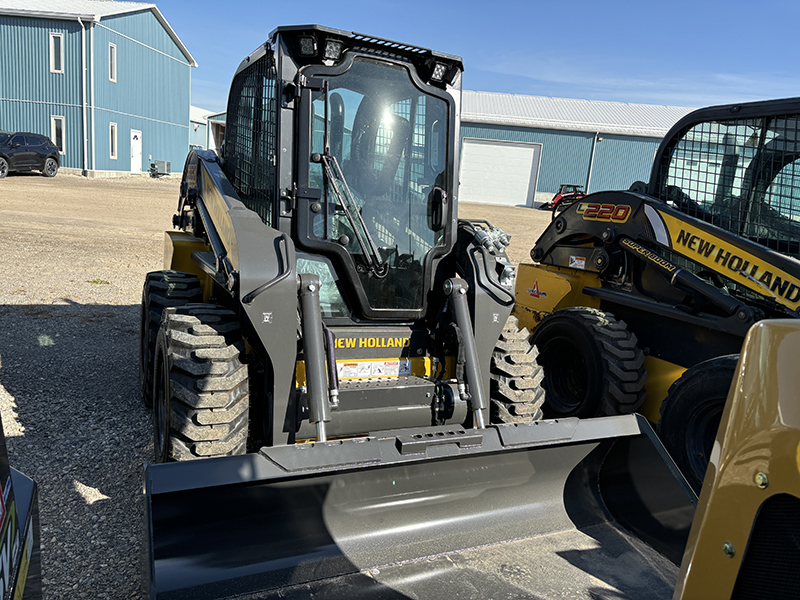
[(75, 422)]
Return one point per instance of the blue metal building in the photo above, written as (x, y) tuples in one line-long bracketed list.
[(109, 82), (517, 150)]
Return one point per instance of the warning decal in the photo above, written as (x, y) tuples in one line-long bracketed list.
[(370, 369)]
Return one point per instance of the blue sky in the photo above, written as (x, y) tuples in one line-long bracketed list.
[(675, 53)]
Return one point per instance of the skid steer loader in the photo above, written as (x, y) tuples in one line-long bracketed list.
[(640, 300)]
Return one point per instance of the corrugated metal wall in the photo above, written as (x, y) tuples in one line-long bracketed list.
[(145, 28), (198, 137), (565, 154), (619, 160), (158, 142), (29, 93), (151, 94)]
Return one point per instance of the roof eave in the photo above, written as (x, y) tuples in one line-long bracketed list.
[(41, 14), (483, 119), (96, 18)]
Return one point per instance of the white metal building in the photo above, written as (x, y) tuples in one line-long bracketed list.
[(517, 150)]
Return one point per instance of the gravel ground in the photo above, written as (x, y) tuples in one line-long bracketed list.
[(75, 254)]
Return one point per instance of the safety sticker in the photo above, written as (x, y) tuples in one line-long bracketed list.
[(370, 369), (577, 262)]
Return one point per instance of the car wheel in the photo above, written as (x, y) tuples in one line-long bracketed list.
[(50, 167), (3, 167)]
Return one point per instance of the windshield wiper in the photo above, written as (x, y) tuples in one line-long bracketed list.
[(334, 175)]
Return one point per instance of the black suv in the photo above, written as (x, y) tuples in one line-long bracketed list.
[(27, 152)]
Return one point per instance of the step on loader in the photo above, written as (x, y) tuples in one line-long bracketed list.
[(639, 300), (342, 407)]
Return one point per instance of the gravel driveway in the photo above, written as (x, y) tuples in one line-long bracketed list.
[(75, 252)]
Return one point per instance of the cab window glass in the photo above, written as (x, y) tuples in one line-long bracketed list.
[(330, 296), (389, 139), (742, 175)]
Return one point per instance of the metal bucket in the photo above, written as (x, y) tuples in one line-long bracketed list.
[(512, 511)]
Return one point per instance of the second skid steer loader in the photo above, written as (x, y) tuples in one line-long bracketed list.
[(640, 300)]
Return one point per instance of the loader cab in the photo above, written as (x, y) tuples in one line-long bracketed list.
[(375, 170), (347, 143), (737, 167)]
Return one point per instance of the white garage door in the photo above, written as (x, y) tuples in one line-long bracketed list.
[(499, 172)]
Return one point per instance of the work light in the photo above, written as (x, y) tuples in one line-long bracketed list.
[(333, 49), (438, 72), (308, 45)]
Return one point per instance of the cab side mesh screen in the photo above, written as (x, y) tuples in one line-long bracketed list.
[(770, 563), (250, 141), (742, 175)]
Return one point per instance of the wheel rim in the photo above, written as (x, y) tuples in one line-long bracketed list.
[(3, 168), (160, 410), (50, 167), (566, 376), (701, 432)]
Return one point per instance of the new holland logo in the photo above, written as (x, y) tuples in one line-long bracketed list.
[(534, 291)]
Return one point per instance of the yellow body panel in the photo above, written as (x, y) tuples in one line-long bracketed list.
[(660, 375), (756, 455), (542, 289), (724, 257), (178, 248)]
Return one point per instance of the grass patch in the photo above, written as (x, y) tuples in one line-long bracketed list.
[(98, 281)]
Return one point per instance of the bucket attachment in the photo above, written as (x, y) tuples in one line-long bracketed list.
[(510, 511)]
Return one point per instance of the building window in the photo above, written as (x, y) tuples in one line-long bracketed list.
[(112, 138), (112, 62), (57, 132), (56, 53)]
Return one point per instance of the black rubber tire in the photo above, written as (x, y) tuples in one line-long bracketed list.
[(691, 412), (50, 168), (161, 289), (592, 364), (3, 168), (517, 394), (201, 400)]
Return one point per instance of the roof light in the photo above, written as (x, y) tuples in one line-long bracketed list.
[(333, 49), (308, 45), (438, 72)]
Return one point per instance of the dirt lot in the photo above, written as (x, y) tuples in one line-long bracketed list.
[(75, 255)]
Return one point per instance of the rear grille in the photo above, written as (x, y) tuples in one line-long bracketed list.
[(771, 564)]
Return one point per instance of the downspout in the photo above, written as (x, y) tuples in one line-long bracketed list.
[(91, 79), (83, 100), (591, 161)]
